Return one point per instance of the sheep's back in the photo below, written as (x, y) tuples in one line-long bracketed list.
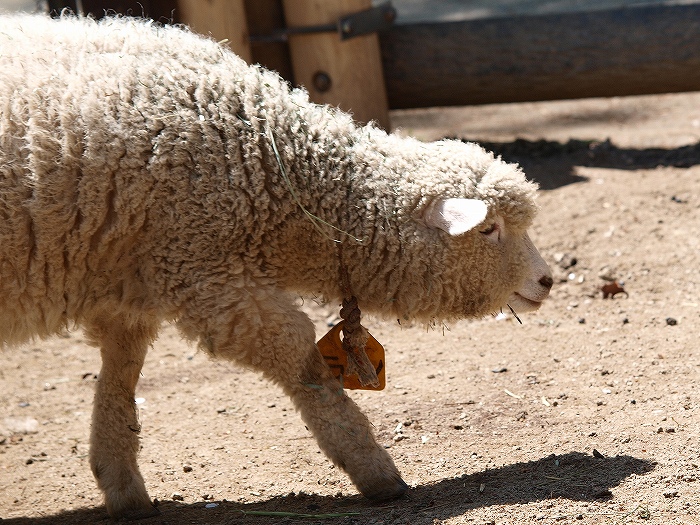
[(111, 148)]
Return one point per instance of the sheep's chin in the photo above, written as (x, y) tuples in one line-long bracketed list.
[(520, 303)]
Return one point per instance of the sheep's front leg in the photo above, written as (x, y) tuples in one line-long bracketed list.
[(343, 432), (114, 441), (266, 331)]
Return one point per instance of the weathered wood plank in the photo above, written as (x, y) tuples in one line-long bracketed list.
[(593, 54), (348, 73), (222, 19)]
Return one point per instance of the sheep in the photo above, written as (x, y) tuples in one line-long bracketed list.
[(149, 175)]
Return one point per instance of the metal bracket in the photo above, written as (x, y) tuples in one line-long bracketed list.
[(377, 18)]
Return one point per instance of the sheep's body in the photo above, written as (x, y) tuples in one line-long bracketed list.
[(147, 174)]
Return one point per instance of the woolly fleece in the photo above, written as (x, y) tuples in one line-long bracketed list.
[(149, 174)]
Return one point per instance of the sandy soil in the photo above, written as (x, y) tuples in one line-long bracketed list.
[(585, 414)]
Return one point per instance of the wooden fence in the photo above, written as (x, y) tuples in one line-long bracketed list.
[(629, 51)]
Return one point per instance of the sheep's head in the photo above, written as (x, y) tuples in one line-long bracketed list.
[(494, 263), (446, 234)]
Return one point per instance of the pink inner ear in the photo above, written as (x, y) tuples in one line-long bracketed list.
[(455, 216)]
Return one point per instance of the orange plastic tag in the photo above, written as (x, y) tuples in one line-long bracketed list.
[(331, 348)]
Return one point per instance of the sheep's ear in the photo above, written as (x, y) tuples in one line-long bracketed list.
[(455, 216)]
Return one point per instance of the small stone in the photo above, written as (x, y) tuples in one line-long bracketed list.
[(177, 496), (670, 321), (187, 468), (21, 425), (499, 370), (671, 494), (565, 260), (606, 273)]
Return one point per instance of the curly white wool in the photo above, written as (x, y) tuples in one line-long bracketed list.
[(149, 174)]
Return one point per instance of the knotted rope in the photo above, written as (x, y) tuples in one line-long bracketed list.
[(355, 336)]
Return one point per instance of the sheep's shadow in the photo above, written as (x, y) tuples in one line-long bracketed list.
[(553, 164), (574, 476)]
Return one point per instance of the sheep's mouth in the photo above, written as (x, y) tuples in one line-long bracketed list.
[(520, 303)]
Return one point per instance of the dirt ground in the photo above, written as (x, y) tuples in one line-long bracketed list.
[(586, 413)]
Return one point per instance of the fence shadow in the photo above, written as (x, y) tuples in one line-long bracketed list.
[(574, 476), (552, 164)]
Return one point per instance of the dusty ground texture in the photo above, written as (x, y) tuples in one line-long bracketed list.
[(586, 413)]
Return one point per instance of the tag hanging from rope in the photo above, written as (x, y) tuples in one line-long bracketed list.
[(331, 348), (358, 360)]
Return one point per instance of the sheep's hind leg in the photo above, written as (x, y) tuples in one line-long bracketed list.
[(114, 441), (270, 334)]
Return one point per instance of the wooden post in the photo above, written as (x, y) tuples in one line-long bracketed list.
[(264, 18), (345, 73), (222, 19)]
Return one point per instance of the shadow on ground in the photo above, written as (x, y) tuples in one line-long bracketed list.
[(553, 164), (575, 476)]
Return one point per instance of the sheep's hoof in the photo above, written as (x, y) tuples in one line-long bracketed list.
[(384, 492)]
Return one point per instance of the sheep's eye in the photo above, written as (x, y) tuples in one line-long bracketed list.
[(488, 231)]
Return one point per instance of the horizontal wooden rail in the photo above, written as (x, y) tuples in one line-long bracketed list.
[(631, 51)]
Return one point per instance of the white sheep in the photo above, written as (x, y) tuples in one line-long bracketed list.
[(148, 174)]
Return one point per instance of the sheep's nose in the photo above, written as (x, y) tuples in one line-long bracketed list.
[(546, 281)]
